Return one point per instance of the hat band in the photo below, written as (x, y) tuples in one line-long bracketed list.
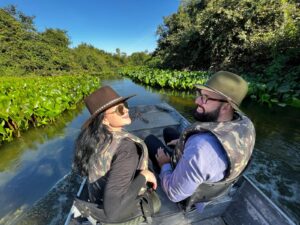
[(226, 96), (107, 104)]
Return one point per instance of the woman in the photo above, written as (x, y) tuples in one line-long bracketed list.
[(114, 161)]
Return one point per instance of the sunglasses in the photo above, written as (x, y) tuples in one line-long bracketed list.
[(120, 110)]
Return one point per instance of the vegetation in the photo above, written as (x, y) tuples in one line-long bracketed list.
[(185, 80), (259, 39), (230, 34), (43, 100), (165, 78), (26, 51)]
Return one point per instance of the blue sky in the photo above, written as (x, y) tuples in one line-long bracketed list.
[(106, 24)]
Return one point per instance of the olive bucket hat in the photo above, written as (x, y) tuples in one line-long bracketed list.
[(233, 87), (100, 100)]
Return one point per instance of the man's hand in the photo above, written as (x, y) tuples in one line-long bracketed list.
[(161, 157), (150, 177)]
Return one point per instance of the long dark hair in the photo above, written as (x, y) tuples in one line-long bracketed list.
[(90, 140)]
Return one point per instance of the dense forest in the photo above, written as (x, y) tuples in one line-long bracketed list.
[(25, 51), (258, 39), (242, 35)]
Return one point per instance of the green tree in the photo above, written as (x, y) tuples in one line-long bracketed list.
[(26, 21), (14, 37), (229, 34), (26, 51), (138, 58), (94, 60), (56, 37)]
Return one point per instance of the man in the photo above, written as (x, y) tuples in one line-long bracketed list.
[(211, 154)]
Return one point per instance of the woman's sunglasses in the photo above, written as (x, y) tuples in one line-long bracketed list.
[(120, 110)]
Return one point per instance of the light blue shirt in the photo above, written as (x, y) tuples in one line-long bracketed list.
[(203, 159)]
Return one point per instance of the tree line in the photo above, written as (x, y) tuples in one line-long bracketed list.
[(235, 34), (26, 51)]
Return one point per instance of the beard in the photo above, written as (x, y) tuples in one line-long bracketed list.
[(207, 116)]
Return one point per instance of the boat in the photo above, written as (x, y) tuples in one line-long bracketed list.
[(243, 204)]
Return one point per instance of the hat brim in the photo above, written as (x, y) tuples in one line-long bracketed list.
[(232, 103), (122, 99)]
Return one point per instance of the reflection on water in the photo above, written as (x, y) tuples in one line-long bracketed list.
[(30, 166)]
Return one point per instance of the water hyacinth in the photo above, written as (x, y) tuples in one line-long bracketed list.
[(37, 101)]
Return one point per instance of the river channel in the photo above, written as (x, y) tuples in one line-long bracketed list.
[(31, 165)]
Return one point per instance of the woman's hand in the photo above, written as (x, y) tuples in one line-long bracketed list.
[(150, 177)]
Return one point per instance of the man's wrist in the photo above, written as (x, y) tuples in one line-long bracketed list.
[(166, 167), (162, 163)]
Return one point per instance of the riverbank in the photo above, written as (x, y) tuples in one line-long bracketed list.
[(263, 91)]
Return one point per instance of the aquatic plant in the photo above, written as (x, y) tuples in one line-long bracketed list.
[(38, 101)]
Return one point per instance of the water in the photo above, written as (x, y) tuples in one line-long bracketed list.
[(31, 165)]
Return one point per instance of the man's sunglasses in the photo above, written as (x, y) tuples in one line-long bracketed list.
[(205, 98), (120, 110)]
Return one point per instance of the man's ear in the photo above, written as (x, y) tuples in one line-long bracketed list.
[(226, 107), (230, 108)]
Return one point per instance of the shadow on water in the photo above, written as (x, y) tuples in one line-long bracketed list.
[(32, 165)]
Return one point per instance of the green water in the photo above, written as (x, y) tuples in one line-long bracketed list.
[(31, 165)]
